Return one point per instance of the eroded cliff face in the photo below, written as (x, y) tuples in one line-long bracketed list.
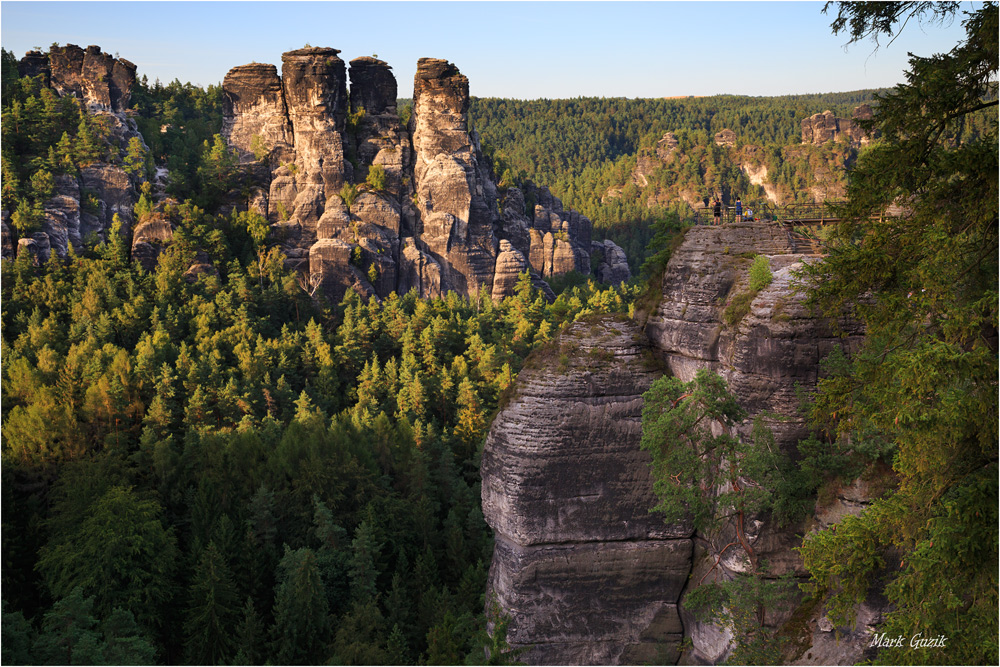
[(557, 455), (103, 84), (101, 81), (358, 200), (586, 573)]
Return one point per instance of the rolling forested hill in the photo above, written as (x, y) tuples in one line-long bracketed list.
[(586, 150)]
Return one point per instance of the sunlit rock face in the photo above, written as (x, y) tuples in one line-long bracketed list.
[(100, 80), (416, 203)]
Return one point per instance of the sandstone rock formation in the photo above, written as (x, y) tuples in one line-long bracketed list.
[(649, 160), (254, 115), (611, 262), (34, 63), (411, 207), (149, 238), (777, 346), (822, 127), (455, 196), (102, 81), (559, 506), (725, 137), (7, 245), (104, 85), (588, 575)]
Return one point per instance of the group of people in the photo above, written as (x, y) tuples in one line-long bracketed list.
[(738, 207)]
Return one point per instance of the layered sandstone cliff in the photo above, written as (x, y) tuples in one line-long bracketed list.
[(556, 456), (99, 80), (586, 573)]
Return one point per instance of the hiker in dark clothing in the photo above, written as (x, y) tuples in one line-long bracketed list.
[(739, 210), (717, 210)]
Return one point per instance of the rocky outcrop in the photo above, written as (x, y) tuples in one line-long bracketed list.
[(587, 574), (510, 264), (34, 63), (102, 81), (725, 137), (417, 205), (82, 208), (456, 198), (255, 119), (558, 505), (649, 160), (822, 127), (36, 246), (380, 140), (7, 245), (149, 239), (114, 193), (314, 82), (610, 262), (771, 351)]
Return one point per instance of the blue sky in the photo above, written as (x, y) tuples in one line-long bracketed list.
[(523, 50)]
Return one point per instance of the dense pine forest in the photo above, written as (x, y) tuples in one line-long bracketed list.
[(586, 151), (220, 468)]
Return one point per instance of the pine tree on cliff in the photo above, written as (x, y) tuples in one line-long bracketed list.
[(922, 390)]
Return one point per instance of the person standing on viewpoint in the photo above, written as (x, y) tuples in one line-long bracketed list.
[(717, 211), (739, 210)]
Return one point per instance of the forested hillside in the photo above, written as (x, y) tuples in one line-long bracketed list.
[(207, 462), (296, 481), (587, 151)]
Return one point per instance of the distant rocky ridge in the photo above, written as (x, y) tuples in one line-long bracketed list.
[(103, 84), (752, 160), (432, 218), (822, 127), (358, 199)]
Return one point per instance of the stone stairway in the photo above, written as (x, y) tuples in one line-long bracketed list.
[(804, 244)]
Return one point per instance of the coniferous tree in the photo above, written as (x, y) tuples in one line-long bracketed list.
[(301, 616), (922, 389), (212, 612)]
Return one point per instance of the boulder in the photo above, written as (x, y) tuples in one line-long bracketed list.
[(202, 266), (36, 246)]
